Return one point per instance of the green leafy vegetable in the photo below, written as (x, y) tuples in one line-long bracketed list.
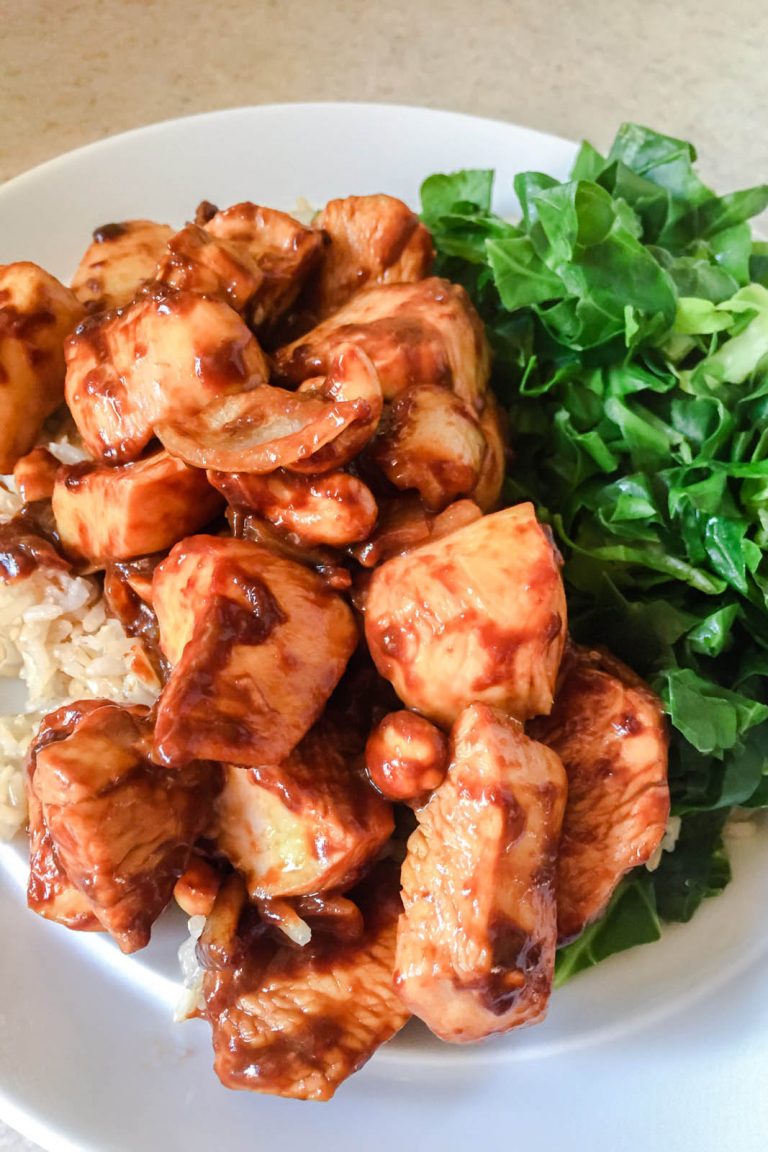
[(628, 315)]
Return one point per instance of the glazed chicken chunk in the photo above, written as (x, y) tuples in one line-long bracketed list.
[(198, 262), (36, 313), (373, 240), (477, 615), (476, 942), (296, 1022), (284, 251), (335, 509), (121, 827), (306, 825), (608, 729), (105, 513), (423, 333), (316, 429), (258, 643), (167, 353), (120, 261), (432, 441)]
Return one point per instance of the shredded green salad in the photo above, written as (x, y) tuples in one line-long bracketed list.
[(628, 314)]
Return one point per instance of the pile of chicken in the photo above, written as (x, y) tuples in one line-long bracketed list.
[(376, 765)]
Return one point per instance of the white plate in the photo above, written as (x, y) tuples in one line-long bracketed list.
[(666, 1044)]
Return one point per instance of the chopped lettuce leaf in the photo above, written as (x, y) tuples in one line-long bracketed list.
[(628, 315)]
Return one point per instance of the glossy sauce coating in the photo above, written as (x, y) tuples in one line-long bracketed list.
[(433, 442), (29, 541), (372, 240), (479, 615), (284, 251), (476, 942), (35, 475), (296, 1022), (168, 353), (36, 313), (198, 262), (608, 728), (335, 509), (122, 827), (406, 757), (196, 889), (239, 623), (423, 333), (120, 261), (105, 514), (315, 429)]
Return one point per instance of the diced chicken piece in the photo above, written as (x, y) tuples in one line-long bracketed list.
[(493, 425), (36, 314), (476, 943), (404, 523), (297, 1021), (120, 261), (307, 825), (406, 757), (258, 644), (373, 240), (28, 542), (248, 526), (477, 615), (50, 892), (607, 727), (122, 828), (334, 509), (431, 441), (128, 593), (284, 251), (198, 262), (423, 333), (316, 429), (35, 475), (168, 353), (105, 514)]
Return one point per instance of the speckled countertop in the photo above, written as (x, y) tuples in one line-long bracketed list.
[(73, 72)]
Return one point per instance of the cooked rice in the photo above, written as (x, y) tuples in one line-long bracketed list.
[(56, 636)]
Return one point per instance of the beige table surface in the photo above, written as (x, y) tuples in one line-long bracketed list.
[(73, 72)]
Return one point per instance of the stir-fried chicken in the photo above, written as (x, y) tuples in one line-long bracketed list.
[(306, 825), (493, 425), (198, 262), (35, 475), (404, 523), (296, 1022), (431, 442), (476, 943), (477, 615), (50, 892), (168, 353), (36, 313), (28, 542), (121, 827), (105, 513), (373, 240), (334, 509), (317, 429), (284, 251), (406, 757), (120, 261), (608, 729), (423, 333), (258, 644)]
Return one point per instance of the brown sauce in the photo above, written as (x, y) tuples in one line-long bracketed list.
[(29, 541)]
